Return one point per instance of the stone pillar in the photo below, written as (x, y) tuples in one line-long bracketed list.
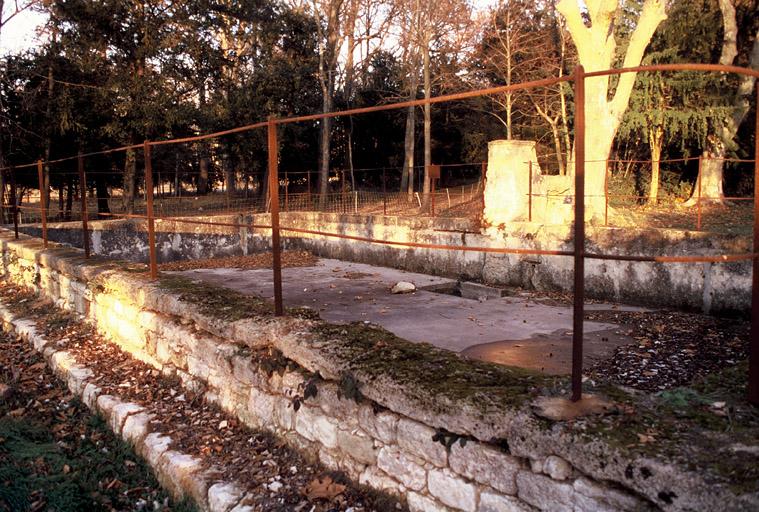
[(507, 181)]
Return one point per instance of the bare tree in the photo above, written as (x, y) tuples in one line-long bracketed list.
[(329, 30)]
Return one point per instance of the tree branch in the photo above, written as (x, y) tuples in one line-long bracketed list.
[(654, 12)]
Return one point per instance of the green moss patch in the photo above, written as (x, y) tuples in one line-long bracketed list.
[(704, 427), (430, 371), (223, 303)]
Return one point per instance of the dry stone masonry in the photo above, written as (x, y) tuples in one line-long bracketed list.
[(273, 374)]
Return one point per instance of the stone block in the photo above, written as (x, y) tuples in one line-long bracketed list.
[(61, 362), (377, 479), (246, 372), (314, 426), (289, 383), (344, 411), (176, 471), (613, 498), (452, 490), (416, 438), (77, 378), (557, 468), (120, 413), (152, 447), (90, 395), (419, 503), (357, 445), (148, 320), (136, 427), (163, 352), (285, 413), (493, 502), (382, 425), (545, 493), (105, 404), (405, 468), (485, 465), (197, 367), (338, 461), (261, 406), (223, 496)]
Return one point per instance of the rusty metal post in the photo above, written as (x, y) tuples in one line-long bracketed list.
[(529, 193), (753, 358), (606, 194), (83, 197), (43, 202), (579, 242), (384, 192), (699, 179), (274, 188), (15, 201), (149, 207)]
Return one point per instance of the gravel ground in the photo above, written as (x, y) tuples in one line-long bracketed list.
[(672, 348), (285, 481)]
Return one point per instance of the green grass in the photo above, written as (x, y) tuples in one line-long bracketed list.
[(70, 478)]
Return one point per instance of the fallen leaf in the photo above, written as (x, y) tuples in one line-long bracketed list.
[(324, 488)]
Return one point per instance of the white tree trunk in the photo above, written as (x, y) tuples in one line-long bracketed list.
[(596, 51), (713, 164)]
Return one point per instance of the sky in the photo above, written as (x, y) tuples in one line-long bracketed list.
[(20, 32)]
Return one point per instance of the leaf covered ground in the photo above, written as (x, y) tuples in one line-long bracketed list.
[(55, 455)]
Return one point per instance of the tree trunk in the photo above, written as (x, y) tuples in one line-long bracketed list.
[(101, 189), (60, 200), (130, 181), (713, 164), (407, 179), (427, 125), (69, 198), (324, 133), (177, 188), (229, 179), (596, 46), (202, 187), (655, 140), (557, 146)]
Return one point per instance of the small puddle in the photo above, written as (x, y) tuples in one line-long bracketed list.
[(549, 353)]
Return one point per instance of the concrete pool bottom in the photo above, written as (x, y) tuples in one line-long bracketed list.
[(516, 330)]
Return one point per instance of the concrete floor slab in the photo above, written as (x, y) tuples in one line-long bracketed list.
[(511, 330)]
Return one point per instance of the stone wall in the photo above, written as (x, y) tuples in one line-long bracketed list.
[(279, 374), (723, 288)]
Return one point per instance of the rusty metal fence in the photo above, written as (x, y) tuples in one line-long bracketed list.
[(148, 153)]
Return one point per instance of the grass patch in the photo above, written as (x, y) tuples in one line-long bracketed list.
[(69, 477)]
